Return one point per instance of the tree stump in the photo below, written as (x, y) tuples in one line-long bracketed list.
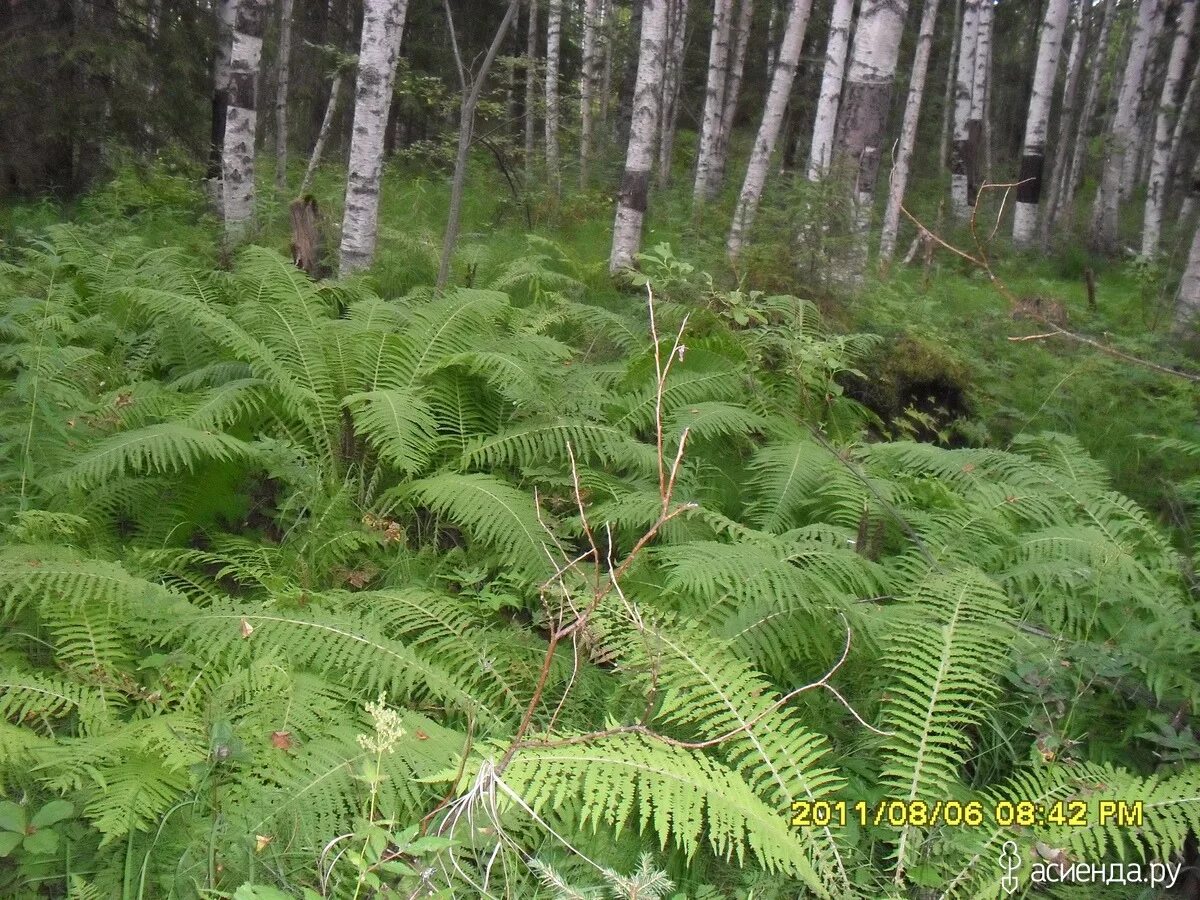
[(306, 235)]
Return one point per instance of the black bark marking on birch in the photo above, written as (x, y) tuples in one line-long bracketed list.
[(220, 112), (1030, 177), (635, 188), (972, 158), (958, 158), (866, 108), (241, 90)]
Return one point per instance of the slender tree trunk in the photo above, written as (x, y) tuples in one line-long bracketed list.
[(531, 36), (553, 42), (226, 13), (672, 79), (1066, 118), (466, 128), (825, 124), (587, 86), (1143, 128), (1161, 162), (281, 94), (714, 99), (1187, 306), (733, 90), (379, 47), (1105, 234), (908, 133), (242, 117), (1186, 110), (1090, 103), (772, 31), (769, 128), (964, 81), (607, 47), (1037, 121), (948, 97), (1192, 198), (976, 124), (314, 160), (639, 154)]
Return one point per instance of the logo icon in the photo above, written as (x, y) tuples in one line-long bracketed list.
[(1010, 861)]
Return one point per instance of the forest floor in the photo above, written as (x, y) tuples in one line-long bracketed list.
[(949, 369)]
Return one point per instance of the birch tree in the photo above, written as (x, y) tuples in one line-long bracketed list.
[(226, 13), (908, 133), (1187, 304), (241, 116), (1091, 101), (1187, 110), (1037, 121), (1121, 134), (948, 98), (587, 85), (733, 90), (1062, 143), (769, 128), (379, 47), (531, 35), (1192, 198), (553, 42), (1161, 163), (867, 95), (964, 81), (281, 93), (978, 134), (639, 154), (335, 91), (824, 125), (714, 98), (672, 81)]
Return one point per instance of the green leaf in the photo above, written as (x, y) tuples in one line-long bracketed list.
[(9, 841), (12, 817), (54, 811), (42, 842)]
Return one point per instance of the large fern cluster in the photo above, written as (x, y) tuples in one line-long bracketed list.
[(240, 506)]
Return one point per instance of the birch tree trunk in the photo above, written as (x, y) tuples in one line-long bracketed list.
[(1090, 102), (948, 98), (241, 117), (821, 153), (530, 88), (1037, 121), (587, 86), (772, 28), (1108, 199), (553, 42), (1062, 143), (672, 78), (1187, 109), (908, 134), (639, 154), (733, 90), (964, 81), (383, 26), (1187, 304), (226, 13), (863, 118), (606, 50), (1192, 199), (314, 160), (980, 81), (768, 130), (281, 94), (1161, 162), (714, 98)]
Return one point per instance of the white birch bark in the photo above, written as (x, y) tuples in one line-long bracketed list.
[(772, 28), (1121, 136), (606, 76), (769, 128), (1187, 109), (226, 13), (1090, 102), (1037, 121), (948, 98), (977, 130), (1187, 304), (335, 90), (281, 94), (863, 118), (1066, 120), (587, 85), (553, 42), (383, 26), (531, 35), (824, 125), (908, 133), (241, 117), (714, 98), (1161, 161), (672, 81), (733, 90), (639, 153), (964, 81)]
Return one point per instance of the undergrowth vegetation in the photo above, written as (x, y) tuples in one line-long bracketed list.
[(539, 589)]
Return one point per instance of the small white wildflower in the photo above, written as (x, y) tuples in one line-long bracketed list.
[(388, 728)]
